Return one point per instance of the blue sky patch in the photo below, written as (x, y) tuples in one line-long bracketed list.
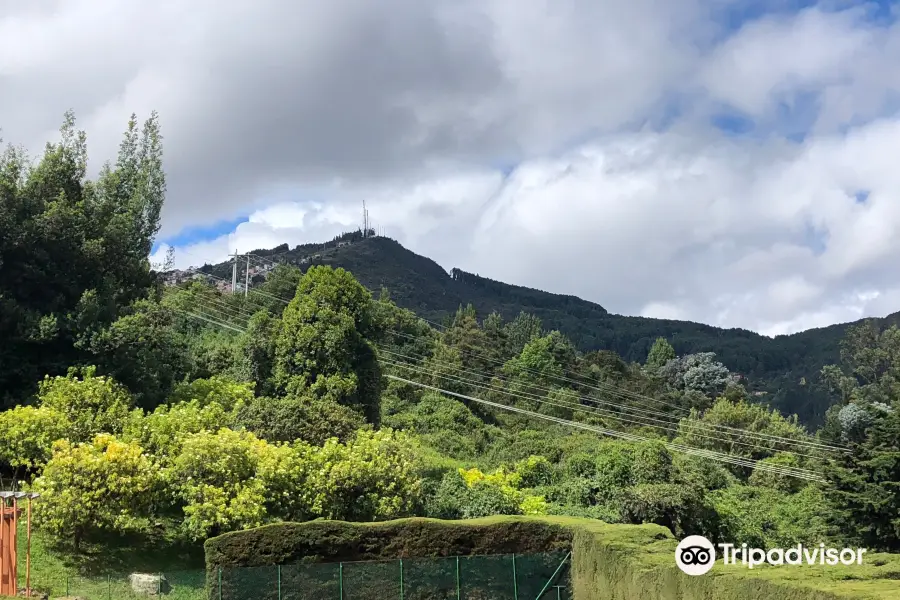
[(861, 196), (815, 239), (798, 114), (733, 123), (506, 167), (193, 235)]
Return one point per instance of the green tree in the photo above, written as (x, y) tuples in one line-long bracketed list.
[(217, 483), (534, 471), (400, 333), (763, 517), (282, 282), (651, 463), (144, 351), (477, 354), (374, 477), (673, 506), (102, 487), (445, 424), (776, 481), (74, 252), (290, 418), (455, 499), (699, 372), (27, 434), (870, 365), (521, 330), (257, 348), (865, 485), (544, 360), (661, 353), (322, 345), (614, 467), (163, 432), (724, 428), (222, 390), (91, 403)]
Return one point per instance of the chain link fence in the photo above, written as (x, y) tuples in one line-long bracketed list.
[(173, 585), (542, 576), (496, 577)]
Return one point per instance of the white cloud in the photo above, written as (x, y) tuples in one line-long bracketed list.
[(654, 224), (297, 112)]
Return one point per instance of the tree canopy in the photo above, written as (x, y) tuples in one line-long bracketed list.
[(310, 398)]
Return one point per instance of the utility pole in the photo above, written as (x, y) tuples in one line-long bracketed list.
[(365, 220), (247, 280), (234, 273)]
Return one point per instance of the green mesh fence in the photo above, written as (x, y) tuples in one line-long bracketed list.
[(496, 577), (175, 585)]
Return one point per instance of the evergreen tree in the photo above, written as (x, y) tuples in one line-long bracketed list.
[(661, 353)]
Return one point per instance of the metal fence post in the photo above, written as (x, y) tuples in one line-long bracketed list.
[(515, 580), (401, 579), (109, 587), (220, 583), (279, 582), (67, 585), (457, 579), (159, 584), (341, 579)]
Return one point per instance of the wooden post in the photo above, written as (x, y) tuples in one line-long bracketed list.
[(9, 546), (28, 551), (13, 546), (3, 542), (5, 571)]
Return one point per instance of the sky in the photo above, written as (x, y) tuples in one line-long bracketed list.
[(732, 162)]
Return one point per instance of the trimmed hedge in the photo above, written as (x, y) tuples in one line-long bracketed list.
[(609, 562), (335, 541)]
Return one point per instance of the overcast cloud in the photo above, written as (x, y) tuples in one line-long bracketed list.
[(636, 182)]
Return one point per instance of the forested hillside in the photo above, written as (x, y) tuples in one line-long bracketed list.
[(144, 412), (784, 370)]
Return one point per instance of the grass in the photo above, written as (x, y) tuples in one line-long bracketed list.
[(101, 572), (649, 551)]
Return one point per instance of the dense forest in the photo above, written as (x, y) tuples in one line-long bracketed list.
[(178, 412), (783, 372)]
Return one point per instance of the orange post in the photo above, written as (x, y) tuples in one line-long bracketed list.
[(13, 547), (9, 513), (4, 549), (28, 552)]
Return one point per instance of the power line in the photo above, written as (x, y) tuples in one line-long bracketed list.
[(670, 427), (726, 458), (798, 473), (214, 322), (640, 413), (696, 427)]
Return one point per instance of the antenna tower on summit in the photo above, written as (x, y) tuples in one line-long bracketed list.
[(365, 220)]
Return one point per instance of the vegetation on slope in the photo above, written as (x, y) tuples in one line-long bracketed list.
[(784, 370), (311, 399)]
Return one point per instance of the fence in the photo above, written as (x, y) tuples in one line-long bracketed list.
[(496, 577), (172, 585), (542, 576)]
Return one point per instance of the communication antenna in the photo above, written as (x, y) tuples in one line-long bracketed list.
[(234, 272)]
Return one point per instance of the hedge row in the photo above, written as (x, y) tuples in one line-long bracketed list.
[(609, 562)]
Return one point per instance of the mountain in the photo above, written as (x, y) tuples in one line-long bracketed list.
[(781, 371)]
